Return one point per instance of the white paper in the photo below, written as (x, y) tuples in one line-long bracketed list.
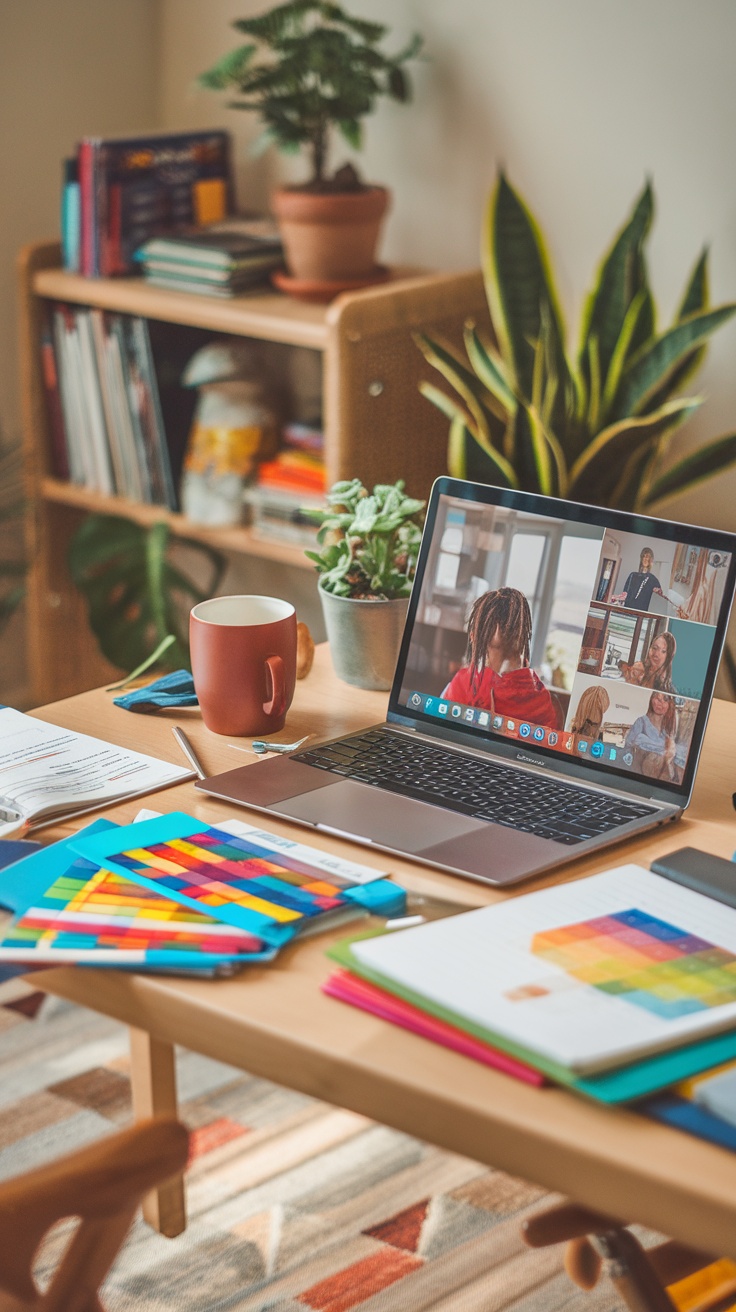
[(48, 773), (481, 966)]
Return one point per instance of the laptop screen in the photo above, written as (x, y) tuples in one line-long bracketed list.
[(566, 629)]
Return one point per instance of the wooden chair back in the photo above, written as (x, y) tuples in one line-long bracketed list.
[(103, 1185), (648, 1280)]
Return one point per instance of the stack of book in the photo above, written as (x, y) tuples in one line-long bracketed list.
[(223, 259), (616, 986), (294, 482), (119, 191), (171, 894), (105, 418)]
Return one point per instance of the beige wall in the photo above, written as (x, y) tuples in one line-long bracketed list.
[(578, 99), (67, 68)]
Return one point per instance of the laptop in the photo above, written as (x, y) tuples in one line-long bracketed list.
[(550, 696)]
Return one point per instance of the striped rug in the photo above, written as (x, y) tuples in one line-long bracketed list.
[(294, 1206)]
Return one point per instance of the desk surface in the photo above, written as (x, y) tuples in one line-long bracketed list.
[(274, 1021)]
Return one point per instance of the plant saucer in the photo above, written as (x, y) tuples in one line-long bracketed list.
[(319, 291)]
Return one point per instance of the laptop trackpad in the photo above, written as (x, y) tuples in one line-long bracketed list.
[(373, 813)]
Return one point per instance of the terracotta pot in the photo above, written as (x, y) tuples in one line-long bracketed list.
[(330, 237)]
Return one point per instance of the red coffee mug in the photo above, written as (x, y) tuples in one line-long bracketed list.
[(243, 653)]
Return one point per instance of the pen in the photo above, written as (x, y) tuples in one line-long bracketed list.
[(188, 751)]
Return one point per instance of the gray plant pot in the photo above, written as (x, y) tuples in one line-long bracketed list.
[(364, 638)]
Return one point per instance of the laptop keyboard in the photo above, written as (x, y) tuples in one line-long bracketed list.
[(475, 787)]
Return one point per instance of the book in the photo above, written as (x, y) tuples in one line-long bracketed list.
[(628, 1083), (196, 287), (134, 187), (221, 248), (368, 997), (266, 885), (49, 773)]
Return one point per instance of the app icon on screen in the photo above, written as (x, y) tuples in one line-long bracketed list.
[(469, 714), (525, 730), (429, 704), (612, 753), (457, 711), (510, 725), (484, 719), (597, 749), (498, 722), (539, 734), (442, 708), (582, 745), (552, 740), (416, 699)]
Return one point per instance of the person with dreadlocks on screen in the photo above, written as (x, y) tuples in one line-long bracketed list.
[(497, 676)]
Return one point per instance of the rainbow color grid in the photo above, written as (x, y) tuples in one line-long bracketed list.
[(88, 909), (234, 879), (642, 960)]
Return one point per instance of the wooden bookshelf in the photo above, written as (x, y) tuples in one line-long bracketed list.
[(377, 425)]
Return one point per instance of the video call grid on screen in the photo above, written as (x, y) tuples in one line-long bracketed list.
[(612, 668)]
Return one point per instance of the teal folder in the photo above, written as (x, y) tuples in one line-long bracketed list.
[(625, 1084)]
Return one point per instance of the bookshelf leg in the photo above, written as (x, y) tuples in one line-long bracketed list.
[(153, 1082)]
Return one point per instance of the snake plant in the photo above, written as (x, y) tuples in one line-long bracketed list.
[(525, 412)]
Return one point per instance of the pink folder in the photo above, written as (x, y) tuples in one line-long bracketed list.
[(348, 988)]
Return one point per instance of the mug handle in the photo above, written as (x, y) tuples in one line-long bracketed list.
[(277, 704)]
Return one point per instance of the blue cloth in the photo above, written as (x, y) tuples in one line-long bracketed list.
[(176, 689)]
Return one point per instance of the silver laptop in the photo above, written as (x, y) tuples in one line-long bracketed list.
[(550, 696)]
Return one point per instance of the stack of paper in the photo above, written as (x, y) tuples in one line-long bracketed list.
[(173, 894), (615, 985)]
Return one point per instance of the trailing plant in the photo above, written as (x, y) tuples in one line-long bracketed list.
[(525, 412), (322, 71), (369, 541), (136, 596)]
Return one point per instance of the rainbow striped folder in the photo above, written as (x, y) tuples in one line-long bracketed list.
[(179, 896)]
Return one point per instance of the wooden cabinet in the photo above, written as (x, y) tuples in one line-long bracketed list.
[(377, 425)]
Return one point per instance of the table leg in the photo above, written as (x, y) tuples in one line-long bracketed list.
[(153, 1084)]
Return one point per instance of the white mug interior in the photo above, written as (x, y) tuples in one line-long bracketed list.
[(241, 611)]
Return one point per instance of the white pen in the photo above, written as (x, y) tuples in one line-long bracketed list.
[(189, 751)]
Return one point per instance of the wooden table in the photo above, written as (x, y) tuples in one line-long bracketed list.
[(274, 1022)]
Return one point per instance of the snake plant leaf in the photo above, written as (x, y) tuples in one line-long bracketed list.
[(656, 362), (713, 458), (135, 595), (597, 471), (620, 277), (696, 299), (518, 284), (470, 388), (532, 455), (481, 464), (489, 367), (449, 407), (620, 352)]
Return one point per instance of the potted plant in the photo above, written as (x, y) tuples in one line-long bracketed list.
[(323, 70), (524, 412), (366, 563)]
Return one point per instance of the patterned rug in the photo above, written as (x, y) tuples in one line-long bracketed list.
[(294, 1206)]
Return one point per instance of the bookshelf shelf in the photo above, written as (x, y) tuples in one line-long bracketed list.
[(377, 426)]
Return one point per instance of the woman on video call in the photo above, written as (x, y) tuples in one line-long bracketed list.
[(652, 739), (497, 676), (655, 671), (641, 585)]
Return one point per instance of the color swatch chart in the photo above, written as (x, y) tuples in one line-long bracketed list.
[(639, 959), (216, 871), (97, 909)]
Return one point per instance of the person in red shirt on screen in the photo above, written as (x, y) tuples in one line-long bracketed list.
[(497, 676)]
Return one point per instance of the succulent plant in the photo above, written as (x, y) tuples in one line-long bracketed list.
[(369, 541), (595, 426)]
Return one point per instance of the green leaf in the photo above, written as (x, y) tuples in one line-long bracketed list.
[(653, 366), (697, 292), (489, 367), (518, 284), (597, 471), (135, 596), (621, 351), (466, 384), (621, 276), (228, 70), (713, 458), (533, 460), (155, 656)]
